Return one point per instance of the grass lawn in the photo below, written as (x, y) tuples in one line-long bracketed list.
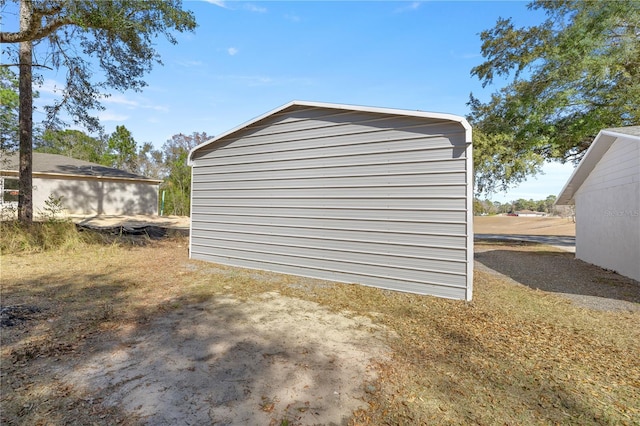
[(513, 355)]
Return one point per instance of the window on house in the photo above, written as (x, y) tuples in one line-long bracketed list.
[(9, 187)]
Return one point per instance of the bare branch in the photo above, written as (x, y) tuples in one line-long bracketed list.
[(36, 31), (34, 65)]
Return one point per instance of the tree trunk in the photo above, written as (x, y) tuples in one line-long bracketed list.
[(25, 186)]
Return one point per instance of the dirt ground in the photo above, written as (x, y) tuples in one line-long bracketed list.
[(230, 362), (274, 358), (510, 225)]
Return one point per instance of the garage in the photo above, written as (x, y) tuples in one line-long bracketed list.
[(375, 196)]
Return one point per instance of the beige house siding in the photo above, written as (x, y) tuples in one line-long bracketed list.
[(97, 196)]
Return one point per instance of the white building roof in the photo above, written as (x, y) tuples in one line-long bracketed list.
[(596, 151)]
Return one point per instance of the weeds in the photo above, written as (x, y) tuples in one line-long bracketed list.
[(62, 234), (42, 236)]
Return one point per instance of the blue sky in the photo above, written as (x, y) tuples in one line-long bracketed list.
[(247, 58)]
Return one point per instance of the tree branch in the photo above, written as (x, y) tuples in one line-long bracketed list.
[(36, 31), (34, 65)]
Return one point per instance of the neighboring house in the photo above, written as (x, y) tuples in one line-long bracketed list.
[(86, 188), (376, 196), (605, 189)]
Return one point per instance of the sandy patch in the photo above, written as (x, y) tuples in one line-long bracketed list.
[(106, 221), (231, 362)]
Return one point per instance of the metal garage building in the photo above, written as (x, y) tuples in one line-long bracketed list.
[(605, 189), (375, 196)]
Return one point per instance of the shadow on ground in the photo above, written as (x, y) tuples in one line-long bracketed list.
[(560, 273), (268, 360)]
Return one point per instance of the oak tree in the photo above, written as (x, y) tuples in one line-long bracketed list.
[(568, 77)]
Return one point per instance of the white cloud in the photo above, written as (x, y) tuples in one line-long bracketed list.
[(253, 8), (110, 116), (292, 17), (250, 80), (50, 86), (219, 3), (262, 80), (232, 51), (408, 8), (161, 108), (464, 55), (120, 100), (190, 64)]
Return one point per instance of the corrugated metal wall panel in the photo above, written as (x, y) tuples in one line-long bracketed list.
[(281, 180), (336, 156), (446, 216), (319, 138), (353, 196), (293, 171), (416, 251), (404, 226), (347, 265), (336, 192), (379, 236), (422, 285), (340, 125), (351, 256), (344, 203)]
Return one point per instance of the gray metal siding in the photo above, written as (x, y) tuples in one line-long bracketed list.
[(352, 196)]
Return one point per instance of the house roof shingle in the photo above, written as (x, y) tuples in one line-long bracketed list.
[(59, 164)]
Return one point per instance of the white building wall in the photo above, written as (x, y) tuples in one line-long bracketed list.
[(97, 196), (608, 211), (352, 196)]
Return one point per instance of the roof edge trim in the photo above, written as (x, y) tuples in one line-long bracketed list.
[(600, 145)]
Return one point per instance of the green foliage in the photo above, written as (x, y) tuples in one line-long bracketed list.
[(8, 109), (54, 210), (499, 160), (495, 207), (178, 181), (150, 162), (72, 143), (121, 150), (571, 76)]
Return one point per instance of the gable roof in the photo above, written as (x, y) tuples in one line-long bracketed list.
[(293, 104), (58, 165), (596, 151)]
